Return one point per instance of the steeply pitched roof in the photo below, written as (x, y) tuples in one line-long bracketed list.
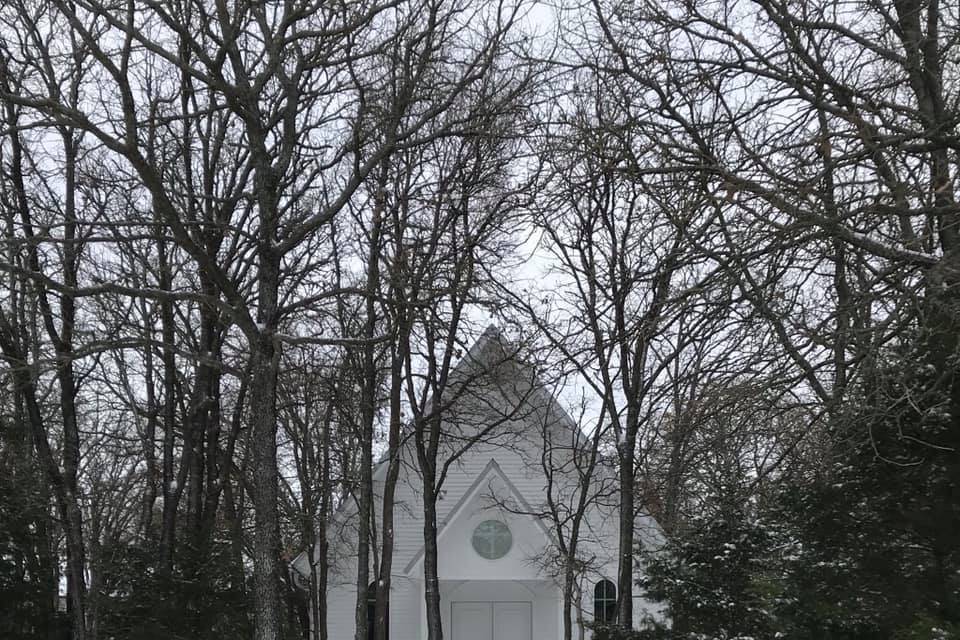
[(492, 352)]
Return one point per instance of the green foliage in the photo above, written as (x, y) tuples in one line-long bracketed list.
[(710, 576), (613, 632), (926, 628), (866, 547), (27, 578), (140, 603), (875, 550)]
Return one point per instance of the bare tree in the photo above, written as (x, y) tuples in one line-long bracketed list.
[(316, 392), (624, 266), (447, 235), (816, 138), (38, 324), (861, 161), (283, 78)]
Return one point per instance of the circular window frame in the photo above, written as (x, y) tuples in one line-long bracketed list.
[(478, 540)]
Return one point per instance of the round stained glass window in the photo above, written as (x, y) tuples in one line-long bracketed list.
[(492, 539)]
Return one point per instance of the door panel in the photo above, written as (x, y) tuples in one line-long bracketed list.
[(471, 621), (491, 621), (512, 621)]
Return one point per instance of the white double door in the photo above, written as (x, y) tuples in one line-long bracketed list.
[(491, 621)]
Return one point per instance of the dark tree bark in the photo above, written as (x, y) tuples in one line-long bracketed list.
[(58, 325)]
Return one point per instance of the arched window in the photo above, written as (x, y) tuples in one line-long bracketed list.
[(372, 612), (605, 602)]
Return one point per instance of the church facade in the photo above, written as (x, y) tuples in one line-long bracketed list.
[(511, 472)]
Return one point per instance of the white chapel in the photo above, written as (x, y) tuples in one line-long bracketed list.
[(499, 565)]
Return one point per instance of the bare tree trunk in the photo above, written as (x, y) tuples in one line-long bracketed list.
[(65, 481), (320, 568), (569, 578), (64, 492), (63, 342), (368, 409), (169, 488), (263, 451), (430, 565), (382, 616), (365, 510), (150, 431)]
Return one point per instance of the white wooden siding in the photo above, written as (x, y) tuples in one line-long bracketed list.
[(516, 447)]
